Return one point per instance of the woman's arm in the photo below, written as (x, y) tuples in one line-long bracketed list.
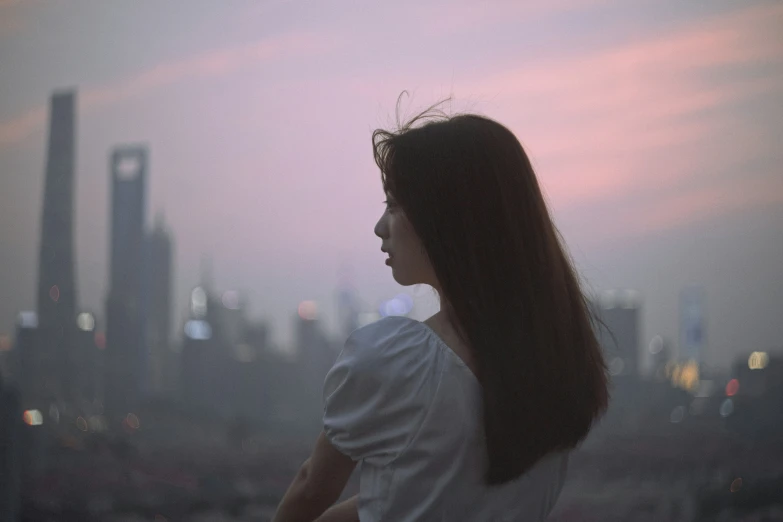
[(317, 486), (346, 511)]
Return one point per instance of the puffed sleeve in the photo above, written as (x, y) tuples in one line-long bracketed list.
[(376, 394)]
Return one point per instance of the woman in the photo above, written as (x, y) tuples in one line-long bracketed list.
[(469, 415)]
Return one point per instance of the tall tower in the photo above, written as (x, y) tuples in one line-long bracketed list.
[(56, 282), (159, 324), (620, 312), (126, 302), (347, 303)]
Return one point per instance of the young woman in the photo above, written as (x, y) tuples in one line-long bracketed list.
[(471, 414)]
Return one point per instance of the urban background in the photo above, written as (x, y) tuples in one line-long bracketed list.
[(187, 199)]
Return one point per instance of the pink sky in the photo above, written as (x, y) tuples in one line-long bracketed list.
[(258, 118)]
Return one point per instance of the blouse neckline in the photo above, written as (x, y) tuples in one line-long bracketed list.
[(444, 346)]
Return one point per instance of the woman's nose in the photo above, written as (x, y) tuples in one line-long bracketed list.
[(380, 228)]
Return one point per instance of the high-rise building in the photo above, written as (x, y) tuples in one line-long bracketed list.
[(56, 298), (126, 355), (10, 459), (619, 334), (315, 356), (347, 303), (692, 329), (26, 346), (159, 275), (205, 354), (85, 359)]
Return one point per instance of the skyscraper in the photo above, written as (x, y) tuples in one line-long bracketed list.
[(619, 334), (56, 283), (10, 460), (347, 304), (159, 275), (692, 331), (126, 362)]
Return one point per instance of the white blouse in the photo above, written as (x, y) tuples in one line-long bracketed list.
[(404, 404)]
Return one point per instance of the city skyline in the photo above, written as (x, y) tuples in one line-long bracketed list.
[(653, 128)]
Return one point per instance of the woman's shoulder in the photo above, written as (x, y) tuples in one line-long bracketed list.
[(390, 340), (379, 387)]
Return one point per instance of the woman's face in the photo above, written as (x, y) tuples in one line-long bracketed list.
[(407, 258)]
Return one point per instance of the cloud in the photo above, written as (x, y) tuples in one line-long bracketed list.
[(212, 63), (454, 17), (650, 115)]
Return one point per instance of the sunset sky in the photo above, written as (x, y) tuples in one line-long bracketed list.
[(655, 126)]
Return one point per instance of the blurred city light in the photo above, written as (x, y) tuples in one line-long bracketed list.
[(32, 418), (27, 319), (198, 330), (5, 343), (727, 408), (308, 310), (758, 360), (81, 423), (685, 375), (656, 345), (86, 322), (732, 387), (54, 293), (198, 302), (400, 305), (132, 421), (677, 414), (616, 366), (96, 423), (736, 484), (128, 167), (100, 340)]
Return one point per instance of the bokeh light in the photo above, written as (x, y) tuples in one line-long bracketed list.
[(32, 418), (54, 293), (616, 366), (198, 302), (86, 322), (132, 420), (758, 360), (732, 387), (100, 340), (656, 345), (27, 319), (198, 330), (308, 310), (677, 414), (399, 305), (727, 408)]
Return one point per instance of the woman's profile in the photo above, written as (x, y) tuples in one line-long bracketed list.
[(471, 414)]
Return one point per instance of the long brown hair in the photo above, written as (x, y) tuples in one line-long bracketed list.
[(470, 193)]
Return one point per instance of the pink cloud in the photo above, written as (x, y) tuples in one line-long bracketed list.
[(212, 63), (648, 114), (709, 201), (441, 19)]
